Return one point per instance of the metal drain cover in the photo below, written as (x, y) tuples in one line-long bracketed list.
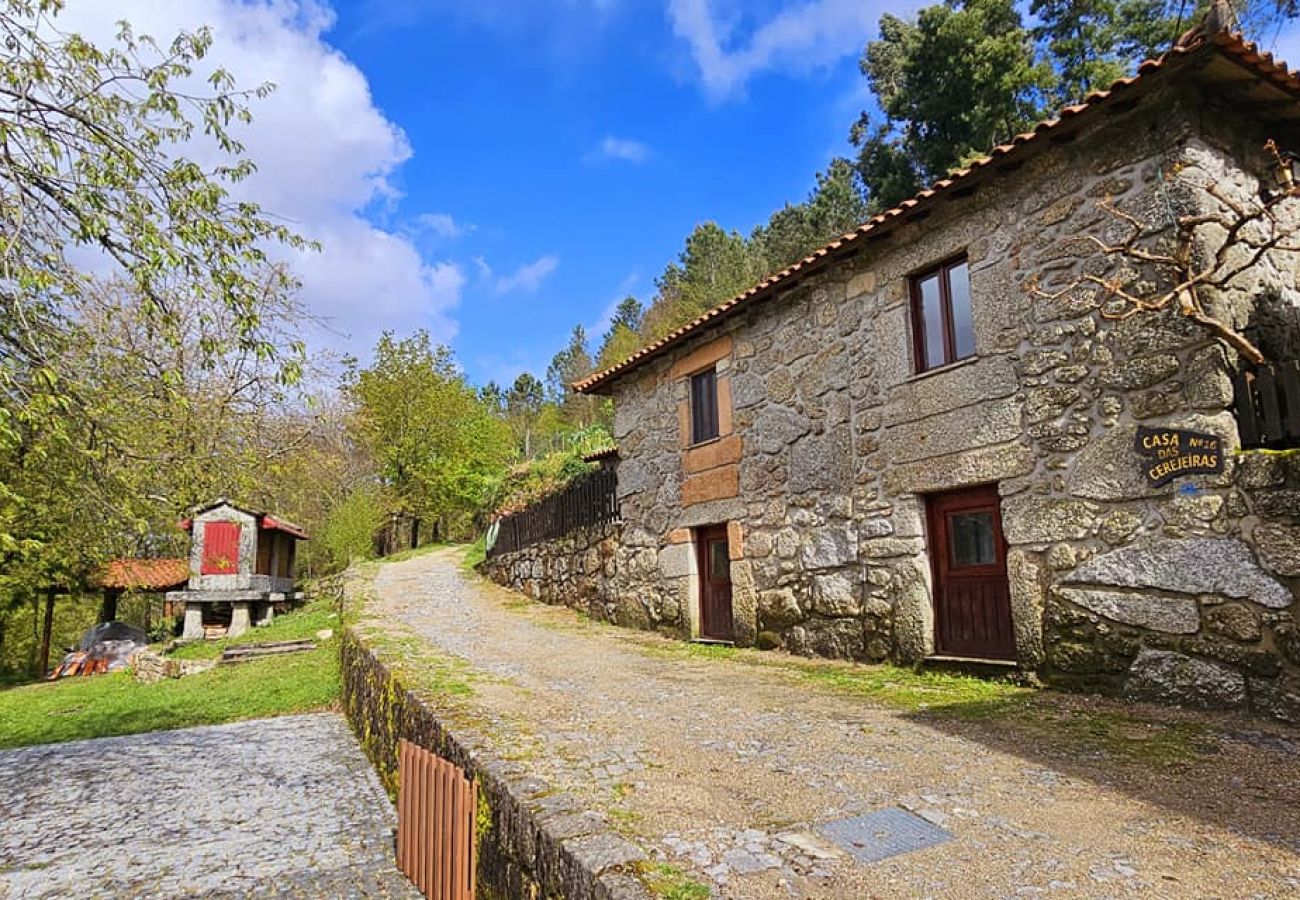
[(884, 833)]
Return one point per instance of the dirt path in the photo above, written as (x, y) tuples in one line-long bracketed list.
[(726, 768)]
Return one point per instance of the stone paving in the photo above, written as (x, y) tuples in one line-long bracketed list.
[(285, 807), (727, 770)]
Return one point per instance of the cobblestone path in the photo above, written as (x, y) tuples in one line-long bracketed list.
[(283, 807), (725, 769)]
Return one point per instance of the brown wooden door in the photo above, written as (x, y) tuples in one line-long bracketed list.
[(714, 565), (972, 599)]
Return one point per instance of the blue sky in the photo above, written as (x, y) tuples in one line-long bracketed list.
[(498, 171), (575, 146)]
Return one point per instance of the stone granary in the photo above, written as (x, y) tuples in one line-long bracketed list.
[(241, 569), (949, 434)]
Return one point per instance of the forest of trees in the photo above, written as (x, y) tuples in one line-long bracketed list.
[(152, 353)]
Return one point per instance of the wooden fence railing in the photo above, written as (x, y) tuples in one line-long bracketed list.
[(436, 814), (1267, 405), (592, 500)]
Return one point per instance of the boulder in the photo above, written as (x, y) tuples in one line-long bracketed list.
[(1279, 548), (1172, 615), (836, 595), (1171, 677), (778, 608), (1187, 566)]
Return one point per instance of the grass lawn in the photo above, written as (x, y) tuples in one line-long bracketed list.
[(102, 705)]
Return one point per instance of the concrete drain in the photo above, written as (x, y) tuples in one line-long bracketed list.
[(884, 833)]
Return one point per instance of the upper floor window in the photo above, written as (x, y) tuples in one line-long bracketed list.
[(704, 406), (942, 328)]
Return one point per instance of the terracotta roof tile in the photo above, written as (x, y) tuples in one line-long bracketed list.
[(143, 574), (1232, 45)]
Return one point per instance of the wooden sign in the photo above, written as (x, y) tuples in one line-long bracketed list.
[(1175, 453)]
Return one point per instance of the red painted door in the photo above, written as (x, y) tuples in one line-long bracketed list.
[(220, 548), (714, 565), (972, 598)]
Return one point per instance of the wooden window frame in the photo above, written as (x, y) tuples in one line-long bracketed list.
[(696, 422), (943, 270)]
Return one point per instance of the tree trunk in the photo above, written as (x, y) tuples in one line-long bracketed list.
[(46, 629)]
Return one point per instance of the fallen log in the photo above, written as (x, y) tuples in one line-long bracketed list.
[(245, 652)]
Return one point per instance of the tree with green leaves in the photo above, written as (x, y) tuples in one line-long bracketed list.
[(438, 448), (94, 188), (571, 364), (961, 78), (623, 337), (523, 406)]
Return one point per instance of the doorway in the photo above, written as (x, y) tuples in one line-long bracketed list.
[(713, 562), (968, 554)]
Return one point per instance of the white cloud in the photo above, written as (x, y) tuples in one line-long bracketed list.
[(622, 149), (525, 279), (325, 154), (800, 39), (441, 225)]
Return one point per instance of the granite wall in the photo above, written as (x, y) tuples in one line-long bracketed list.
[(831, 442)]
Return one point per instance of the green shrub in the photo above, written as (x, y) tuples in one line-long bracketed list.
[(349, 530)]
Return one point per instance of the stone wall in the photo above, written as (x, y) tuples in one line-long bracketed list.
[(582, 570), (1183, 592), (531, 842)]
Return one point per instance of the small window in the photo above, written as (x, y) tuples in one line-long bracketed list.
[(943, 330), (704, 406), (973, 539)]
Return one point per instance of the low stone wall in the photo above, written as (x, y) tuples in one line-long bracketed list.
[(532, 841), (587, 570)]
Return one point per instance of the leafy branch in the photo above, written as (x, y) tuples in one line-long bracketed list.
[(1210, 251)]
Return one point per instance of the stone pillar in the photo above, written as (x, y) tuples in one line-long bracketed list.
[(193, 622), (265, 613), (239, 619)]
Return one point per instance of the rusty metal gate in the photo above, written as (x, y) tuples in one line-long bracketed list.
[(436, 810)]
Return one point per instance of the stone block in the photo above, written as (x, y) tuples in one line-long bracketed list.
[(677, 561), (1188, 566), (863, 283), (991, 422), (1171, 677), (1171, 615), (1234, 620), (711, 455), (1142, 372), (715, 484), (735, 540), (701, 357), (821, 462), (836, 595), (1035, 519), (828, 548), (779, 608), (240, 619), (1279, 547), (978, 466), (970, 384)]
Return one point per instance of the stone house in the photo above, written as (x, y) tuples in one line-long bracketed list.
[(926, 438)]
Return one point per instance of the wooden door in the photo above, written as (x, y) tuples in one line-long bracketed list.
[(220, 548), (972, 598), (713, 562)]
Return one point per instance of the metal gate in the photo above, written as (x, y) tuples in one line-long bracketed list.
[(436, 811)]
